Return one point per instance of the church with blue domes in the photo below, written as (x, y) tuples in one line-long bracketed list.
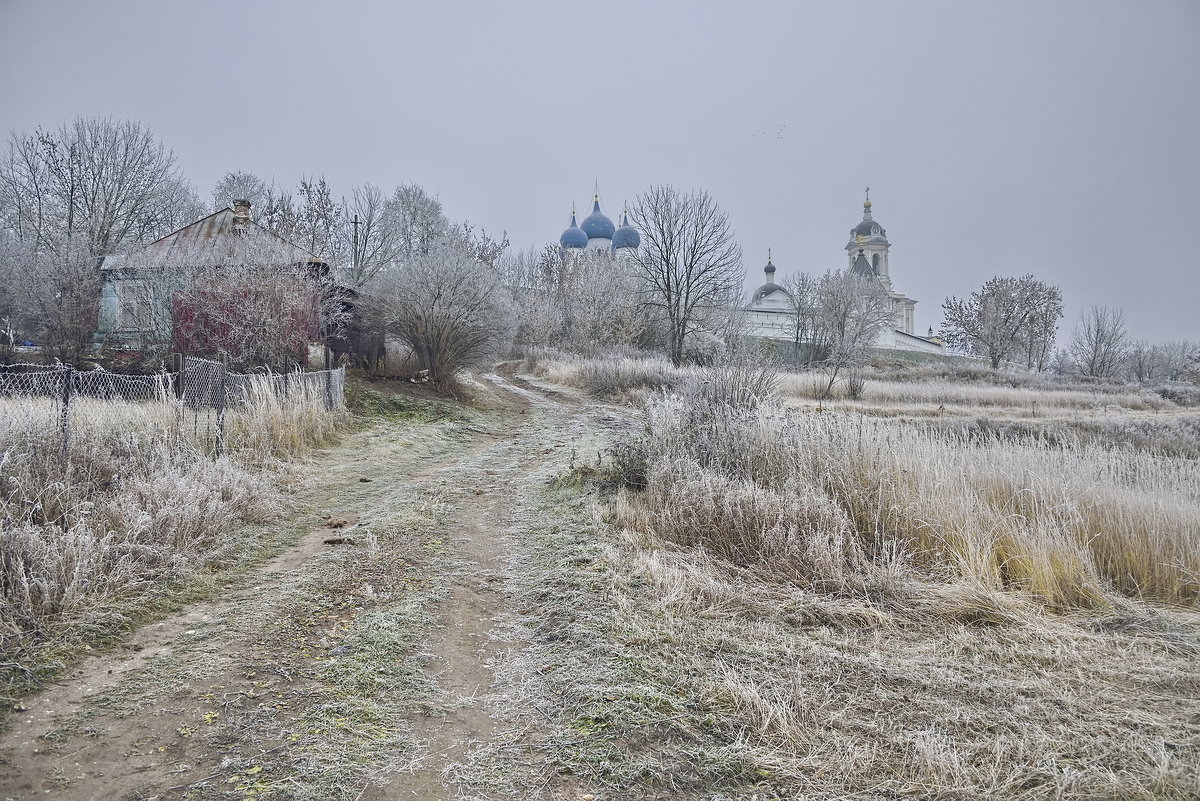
[(598, 233)]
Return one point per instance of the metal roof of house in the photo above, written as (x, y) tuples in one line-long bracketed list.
[(218, 227)]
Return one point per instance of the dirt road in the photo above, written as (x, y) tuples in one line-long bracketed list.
[(380, 656)]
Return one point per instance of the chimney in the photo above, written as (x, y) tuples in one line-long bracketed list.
[(241, 214)]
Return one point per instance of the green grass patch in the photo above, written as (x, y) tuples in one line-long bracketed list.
[(370, 406)]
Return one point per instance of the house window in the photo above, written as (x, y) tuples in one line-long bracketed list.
[(133, 305)]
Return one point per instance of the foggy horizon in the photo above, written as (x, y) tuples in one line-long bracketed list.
[(1057, 139)]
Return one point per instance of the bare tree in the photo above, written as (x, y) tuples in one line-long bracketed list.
[(370, 235), (851, 312), (417, 219), (803, 290), (54, 292), (1099, 344), (108, 183), (1144, 361), (450, 309), (996, 320), (689, 261), (241, 186)]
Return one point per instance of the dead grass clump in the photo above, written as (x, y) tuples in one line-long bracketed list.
[(680, 674), (269, 426), (948, 392), (116, 519), (1072, 525), (610, 377), (94, 533)]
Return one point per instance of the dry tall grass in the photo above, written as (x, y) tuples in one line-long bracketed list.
[(270, 426), (885, 599), (981, 395), (1074, 513), (132, 504), (835, 498)]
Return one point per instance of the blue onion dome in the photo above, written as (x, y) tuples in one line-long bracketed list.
[(573, 237), (626, 236), (596, 225)]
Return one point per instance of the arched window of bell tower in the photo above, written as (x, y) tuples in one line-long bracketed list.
[(875, 262)]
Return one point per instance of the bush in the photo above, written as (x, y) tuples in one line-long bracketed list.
[(1179, 394)]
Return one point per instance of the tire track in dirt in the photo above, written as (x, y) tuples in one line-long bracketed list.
[(110, 728), (467, 639)]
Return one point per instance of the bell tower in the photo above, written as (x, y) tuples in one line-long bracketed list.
[(870, 239)]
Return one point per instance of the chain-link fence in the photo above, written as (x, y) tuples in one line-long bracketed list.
[(45, 406)]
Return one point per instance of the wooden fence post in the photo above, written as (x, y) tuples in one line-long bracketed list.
[(222, 369), (68, 388), (177, 364), (328, 378)]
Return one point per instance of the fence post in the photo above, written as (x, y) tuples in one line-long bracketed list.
[(222, 368), (68, 388), (328, 378), (177, 364)]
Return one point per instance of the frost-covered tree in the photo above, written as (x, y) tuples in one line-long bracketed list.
[(107, 183), (51, 295), (598, 299), (318, 220), (1036, 337), (1144, 361), (448, 307), (417, 219), (851, 311), (1176, 357), (241, 186), (689, 262), (520, 270), (1099, 344), (1006, 318)]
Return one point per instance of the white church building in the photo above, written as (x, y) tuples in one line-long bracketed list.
[(769, 312)]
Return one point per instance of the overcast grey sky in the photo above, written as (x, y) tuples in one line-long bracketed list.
[(1057, 138)]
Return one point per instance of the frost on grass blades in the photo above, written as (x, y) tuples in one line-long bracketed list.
[(1058, 512), (108, 501), (835, 497), (875, 598)]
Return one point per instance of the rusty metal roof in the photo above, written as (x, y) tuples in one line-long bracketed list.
[(219, 227)]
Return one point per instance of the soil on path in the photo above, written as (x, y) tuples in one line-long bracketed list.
[(358, 669)]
